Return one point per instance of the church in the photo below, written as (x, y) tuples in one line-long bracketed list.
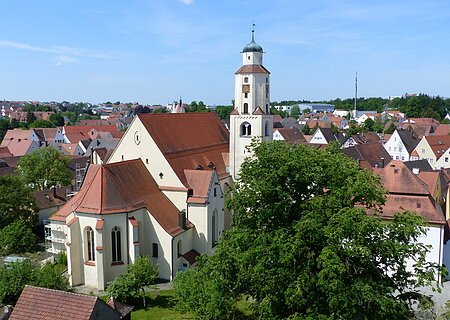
[(162, 191)]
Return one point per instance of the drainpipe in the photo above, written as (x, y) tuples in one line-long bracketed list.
[(128, 240)]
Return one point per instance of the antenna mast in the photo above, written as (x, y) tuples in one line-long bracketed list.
[(356, 91)]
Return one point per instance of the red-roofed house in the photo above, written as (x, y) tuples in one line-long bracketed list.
[(406, 191)]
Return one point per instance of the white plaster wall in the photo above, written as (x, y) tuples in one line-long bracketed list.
[(446, 257), (318, 138), (425, 152), (178, 198), (396, 149), (146, 150), (249, 58), (186, 239)]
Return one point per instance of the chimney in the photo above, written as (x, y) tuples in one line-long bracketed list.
[(182, 219), (382, 162), (416, 171)]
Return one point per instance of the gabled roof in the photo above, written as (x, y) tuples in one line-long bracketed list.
[(188, 140), (122, 187), (50, 198), (47, 304), (407, 192), (17, 134), (367, 137), (443, 129), (372, 152), (431, 179), (397, 178), (122, 308), (4, 152), (200, 183), (19, 147), (252, 68), (422, 165), (439, 144), (258, 111), (292, 135), (191, 256), (409, 139)]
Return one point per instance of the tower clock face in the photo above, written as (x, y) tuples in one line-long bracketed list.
[(245, 88), (137, 138)]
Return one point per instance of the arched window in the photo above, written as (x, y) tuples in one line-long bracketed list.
[(116, 245), (266, 129), (90, 244), (245, 108), (180, 248), (214, 228), (246, 129)]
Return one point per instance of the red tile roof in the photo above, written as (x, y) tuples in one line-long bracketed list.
[(4, 152), (122, 308), (77, 133), (47, 304), (18, 147), (292, 135), (188, 140), (200, 183), (258, 111), (191, 256), (443, 129), (439, 144), (252, 68), (122, 187), (407, 192)]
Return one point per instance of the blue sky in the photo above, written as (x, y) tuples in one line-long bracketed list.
[(152, 51)]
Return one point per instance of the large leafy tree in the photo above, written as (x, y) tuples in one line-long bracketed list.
[(141, 274), (44, 168), (17, 237), (16, 202), (307, 243)]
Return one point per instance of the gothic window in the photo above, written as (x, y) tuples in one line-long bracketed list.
[(116, 245), (266, 129), (155, 250), (245, 108), (246, 129), (90, 244), (180, 248), (267, 108), (214, 228)]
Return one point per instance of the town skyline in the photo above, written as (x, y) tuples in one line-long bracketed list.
[(154, 51)]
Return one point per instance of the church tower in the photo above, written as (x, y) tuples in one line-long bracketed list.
[(251, 115)]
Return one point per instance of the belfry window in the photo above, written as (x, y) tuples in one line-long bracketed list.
[(245, 108), (266, 129), (90, 244), (116, 245), (245, 79), (246, 129)]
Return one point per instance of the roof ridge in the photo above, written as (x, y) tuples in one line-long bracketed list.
[(68, 292)]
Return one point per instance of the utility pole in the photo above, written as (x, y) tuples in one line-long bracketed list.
[(356, 93)]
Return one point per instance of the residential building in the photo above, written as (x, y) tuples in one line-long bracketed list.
[(291, 135), (48, 304), (369, 155), (326, 136), (432, 148), (401, 145)]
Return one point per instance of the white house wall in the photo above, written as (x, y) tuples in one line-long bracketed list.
[(396, 149)]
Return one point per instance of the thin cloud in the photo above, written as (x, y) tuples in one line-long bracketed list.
[(57, 50), (188, 2)]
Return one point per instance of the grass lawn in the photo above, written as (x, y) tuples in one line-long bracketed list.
[(159, 307)]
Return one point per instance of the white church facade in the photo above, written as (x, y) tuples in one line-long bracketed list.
[(162, 192)]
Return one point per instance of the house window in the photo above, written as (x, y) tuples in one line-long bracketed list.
[(245, 79), (400, 149), (116, 245), (403, 157), (215, 192), (146, 161), (267, 80), (155, 250), (122, 157), (446, 159), (423, 150), (389, 148), (246, 129), (245, 108), (395, 149), (90, 244), (396, 157)]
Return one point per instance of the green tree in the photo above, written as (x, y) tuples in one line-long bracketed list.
[(30, 117), (295, 112), (17, 237), (390, 129), (224, 111), (44, 168), (14, 123), (40, 123), (140, 275), (16, 202), (50, 276), (13, 278), (57, 119), (369, 124), (306, 129), (4, 126), (302, 245)]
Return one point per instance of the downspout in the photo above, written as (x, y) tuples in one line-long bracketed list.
[(171, 258), (128, 240)]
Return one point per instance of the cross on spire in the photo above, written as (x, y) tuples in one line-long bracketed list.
[(253, 33)]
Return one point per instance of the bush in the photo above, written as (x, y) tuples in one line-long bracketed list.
[(61, 258), (17, 238)]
